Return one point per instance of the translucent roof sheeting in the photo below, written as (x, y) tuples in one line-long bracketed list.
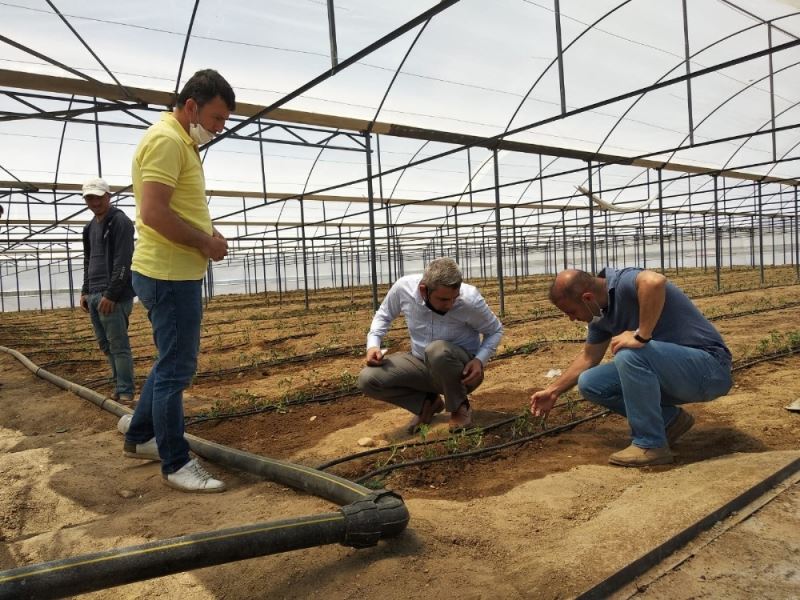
[(605, 94)]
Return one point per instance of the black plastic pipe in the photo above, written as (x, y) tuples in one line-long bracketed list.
[(366, 517)]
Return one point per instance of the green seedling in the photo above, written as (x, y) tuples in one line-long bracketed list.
[(423, 431)]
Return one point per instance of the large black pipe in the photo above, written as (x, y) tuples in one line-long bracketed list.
[(90, 572), (366, 517)]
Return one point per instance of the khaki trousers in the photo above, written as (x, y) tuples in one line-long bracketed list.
[(404, 380)]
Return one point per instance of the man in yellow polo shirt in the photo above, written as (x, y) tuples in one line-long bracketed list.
[(176, 240)]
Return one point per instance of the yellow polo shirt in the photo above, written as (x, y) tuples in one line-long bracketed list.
[(168, 155)]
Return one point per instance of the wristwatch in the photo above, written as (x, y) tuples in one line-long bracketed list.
[(639, 338)]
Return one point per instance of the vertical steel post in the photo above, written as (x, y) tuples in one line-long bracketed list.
[(70, 279), (796, 239), (455, 221), (371, 198), (332, 35), (264, 267), (560, 58), (688, 72), (16, 277), (514, 246), (593, 258), (278, 265), (772, 94), (498, 239), (717, 241), (760, 236), (661, 221)]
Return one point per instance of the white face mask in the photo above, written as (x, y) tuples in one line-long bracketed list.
[(199, 134), (595, 318)]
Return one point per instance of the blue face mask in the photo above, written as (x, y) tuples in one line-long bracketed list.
[(595, 318)]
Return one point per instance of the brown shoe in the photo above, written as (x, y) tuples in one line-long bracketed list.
[(431, 406), (680, 425), (633, 456), (461, 418)]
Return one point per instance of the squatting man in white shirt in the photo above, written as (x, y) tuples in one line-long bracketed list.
[(453, 334)]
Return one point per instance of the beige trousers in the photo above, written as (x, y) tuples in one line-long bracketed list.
[(404, 380)]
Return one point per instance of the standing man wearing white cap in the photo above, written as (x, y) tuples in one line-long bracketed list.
[(106, 293)]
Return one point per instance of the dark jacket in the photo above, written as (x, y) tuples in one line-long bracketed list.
[(118, 241)]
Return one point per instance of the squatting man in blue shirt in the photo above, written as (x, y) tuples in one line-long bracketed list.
[(665, 353), (453, 334)]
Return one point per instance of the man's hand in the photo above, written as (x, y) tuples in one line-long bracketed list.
[(542, 402), (624, 340), (106, 306), (374, 357), (85, 303), (472, 372), (215, 233), (216, 248)]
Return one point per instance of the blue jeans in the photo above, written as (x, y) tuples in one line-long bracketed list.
[(645, 385), (175, 310), (111, 332)]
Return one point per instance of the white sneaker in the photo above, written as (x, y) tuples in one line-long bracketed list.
[(146, 451), (124, 423), (192, 477)]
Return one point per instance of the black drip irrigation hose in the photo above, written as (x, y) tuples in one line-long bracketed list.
[(365, 517), (497, 447), (747, 363), (486, 450), (641, 565), (396, 447)]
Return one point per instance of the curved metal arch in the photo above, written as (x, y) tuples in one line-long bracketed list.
[(555, 60), (708, 116), (619, 121), (715, 109)]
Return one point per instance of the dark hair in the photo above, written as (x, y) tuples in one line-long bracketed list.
[(206, 85)]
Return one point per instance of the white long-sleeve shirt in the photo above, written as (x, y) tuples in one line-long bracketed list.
[(463, 325)]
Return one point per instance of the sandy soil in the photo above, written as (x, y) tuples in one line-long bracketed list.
[(547, 519)]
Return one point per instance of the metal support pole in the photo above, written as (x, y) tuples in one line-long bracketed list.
[(688, 72), (371, 198), (70, 280), (644, 242), (387, 210), (498, 240), (717, 241), (39, 281), (677, 252), (455, 220), (332, 35), (661, 221), (16, 276), (760, 236), (264, 267), (278, 265), (305, 253), (796, 239), (560, 57), (772, 93), (593, 258), (341, 258)]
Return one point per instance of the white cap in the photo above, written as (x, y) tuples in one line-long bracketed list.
[(95, 187)]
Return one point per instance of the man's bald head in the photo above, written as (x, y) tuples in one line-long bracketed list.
[(571, 284)]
